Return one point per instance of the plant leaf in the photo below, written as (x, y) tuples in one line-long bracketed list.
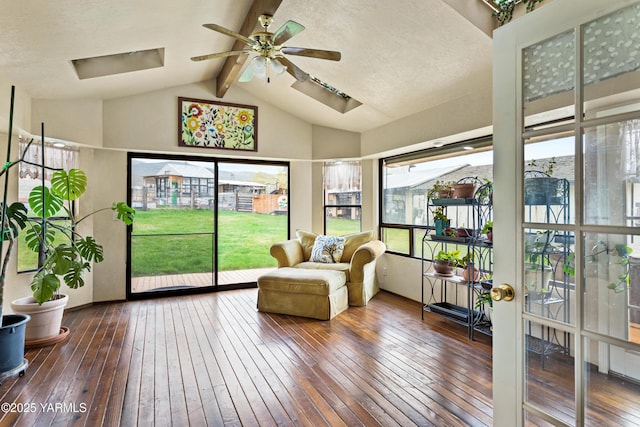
[(60, 259), (125, 213), (89, 249), (51, 201), (69, 185), (15, 219), (33, 236), (44, 286), (73, 277)]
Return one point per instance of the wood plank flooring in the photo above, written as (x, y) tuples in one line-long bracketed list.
[(229, 277), (213, 360)]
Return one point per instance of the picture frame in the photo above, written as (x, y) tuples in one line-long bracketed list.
[(221, 125)]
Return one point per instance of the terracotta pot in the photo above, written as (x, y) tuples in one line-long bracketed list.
[(46, 319), (490, 236), (465, 274), (445, 194), (464, 190)]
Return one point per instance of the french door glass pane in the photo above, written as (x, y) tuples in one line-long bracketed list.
[(612, 61), (612, 173), (613, 392), (547, 382), (549, 285), (612, 285), (549, 190), (549, 79)]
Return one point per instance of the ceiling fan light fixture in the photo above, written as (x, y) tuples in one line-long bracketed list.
[(277, 66), (262, 67)]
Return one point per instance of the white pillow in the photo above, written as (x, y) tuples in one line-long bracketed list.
[(327, 249)]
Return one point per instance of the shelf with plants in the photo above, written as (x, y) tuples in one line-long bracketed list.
[(457, 256), (548, 254)]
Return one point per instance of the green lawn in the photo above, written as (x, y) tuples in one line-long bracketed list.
[(244, 240)]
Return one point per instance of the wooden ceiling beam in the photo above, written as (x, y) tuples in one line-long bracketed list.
[(233, 64)]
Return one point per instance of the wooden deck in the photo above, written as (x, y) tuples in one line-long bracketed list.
[(213, 360), (154, 283)]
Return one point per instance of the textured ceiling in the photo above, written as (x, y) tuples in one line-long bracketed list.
[(398, 57)]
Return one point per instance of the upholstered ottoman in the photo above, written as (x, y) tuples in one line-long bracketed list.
[(319, 294)]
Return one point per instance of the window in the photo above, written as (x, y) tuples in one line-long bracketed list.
[(29, 176), (406, 180), (342, 197)]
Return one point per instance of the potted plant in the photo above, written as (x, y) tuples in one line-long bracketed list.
[(59, 262), (465, 188), (440, 220), (444, 262), (12, 219), (487, 229), (470, 273), (441, 190), (503, 11), (540, 187), (484, 303)]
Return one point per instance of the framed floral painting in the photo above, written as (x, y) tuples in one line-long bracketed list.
[(220, 125)]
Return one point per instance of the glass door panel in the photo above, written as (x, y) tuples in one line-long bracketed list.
[(203, 224), (172, 242), (578, 257), (253, 211)]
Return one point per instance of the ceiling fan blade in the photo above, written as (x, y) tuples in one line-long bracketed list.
[(286, 31), (228, 32), (219, 55), (313, 53), (293, 69)]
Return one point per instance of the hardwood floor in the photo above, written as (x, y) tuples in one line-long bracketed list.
[(212, 359)]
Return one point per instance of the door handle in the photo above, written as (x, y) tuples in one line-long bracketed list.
[(502, 292)]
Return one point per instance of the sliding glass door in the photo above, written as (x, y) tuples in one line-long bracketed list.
[(253, 213), (202, 224)]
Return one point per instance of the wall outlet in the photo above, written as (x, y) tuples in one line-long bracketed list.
[(384, 271)]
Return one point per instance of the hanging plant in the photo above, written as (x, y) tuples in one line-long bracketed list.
[(504, 9)]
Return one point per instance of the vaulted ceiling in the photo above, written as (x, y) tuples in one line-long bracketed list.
[(398, 58)]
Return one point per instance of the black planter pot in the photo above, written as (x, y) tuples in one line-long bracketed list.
[(12, 341)]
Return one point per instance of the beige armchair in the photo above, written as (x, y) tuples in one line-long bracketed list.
[(358, 261)]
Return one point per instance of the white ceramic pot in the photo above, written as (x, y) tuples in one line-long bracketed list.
[(46, 319)]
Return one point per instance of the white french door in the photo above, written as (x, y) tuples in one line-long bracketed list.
[(567, 211)]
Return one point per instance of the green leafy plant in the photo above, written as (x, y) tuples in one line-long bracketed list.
[(66, 261), (440, 188), (620, 254), (452, 257), (439, 214), (61, 262), (482, 299), (505, 8), (487, 227), (545, 166)]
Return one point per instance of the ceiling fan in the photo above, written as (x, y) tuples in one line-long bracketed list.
[(268, 46)]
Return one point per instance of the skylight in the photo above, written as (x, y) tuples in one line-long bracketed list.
[(118, 63)]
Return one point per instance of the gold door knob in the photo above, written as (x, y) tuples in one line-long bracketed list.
[(502, 292)]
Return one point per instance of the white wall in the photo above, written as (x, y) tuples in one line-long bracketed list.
[(149, 123)]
